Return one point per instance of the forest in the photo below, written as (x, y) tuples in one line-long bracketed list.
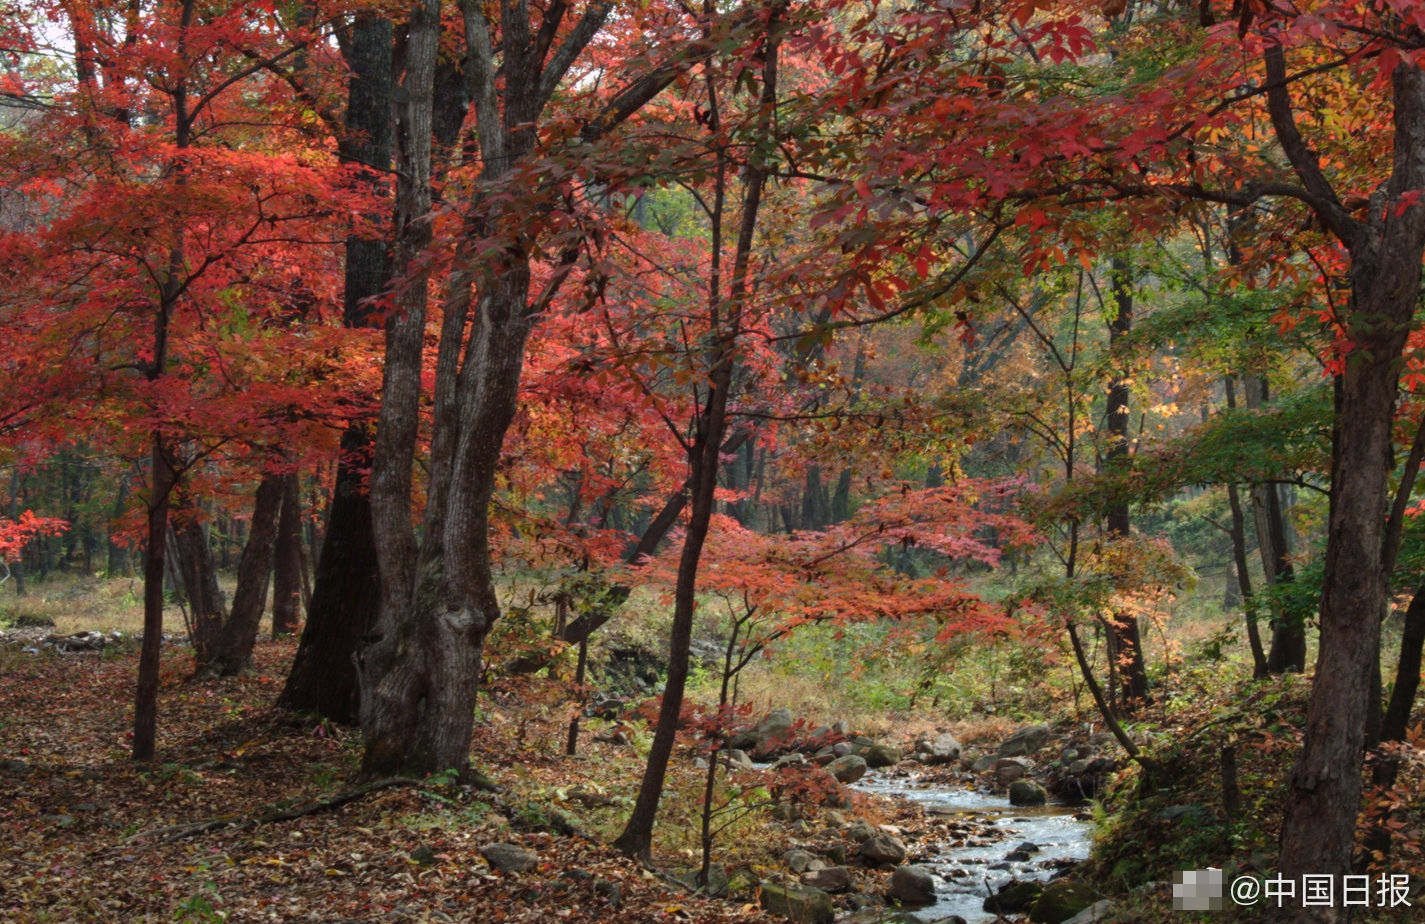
[(742, 460)]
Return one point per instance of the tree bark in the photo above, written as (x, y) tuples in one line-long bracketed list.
[(287, 563), (1385, 262), (1127, 645), (239, 631), (206, 606), (1260, 667), (345, 592)]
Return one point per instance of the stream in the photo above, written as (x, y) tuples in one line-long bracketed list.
[(970, 865)]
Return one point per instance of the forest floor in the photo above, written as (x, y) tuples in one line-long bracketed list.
[(92, 837)]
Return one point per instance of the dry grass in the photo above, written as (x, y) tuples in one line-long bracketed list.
[(77, 603)]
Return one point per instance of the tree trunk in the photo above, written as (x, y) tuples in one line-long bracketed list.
[(1260, 666), (287, 563), (345, 592), (706, 447), (1319, 829), (1127, 647), (229, 651), (163, 476), (207, 608), (1407, 670)]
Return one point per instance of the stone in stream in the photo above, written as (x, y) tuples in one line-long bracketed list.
[(1013, 897), (1023, 792), (880, 754), (984, 764), (824, 756), (881, 850), (1009, 769), (942, 749), (848, 769), (912, 885), (773, 732), (796, 903), (1060, 901)]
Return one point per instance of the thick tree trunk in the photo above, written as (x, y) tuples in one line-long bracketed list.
[(287, 561), (345, 593), (1320, 825)]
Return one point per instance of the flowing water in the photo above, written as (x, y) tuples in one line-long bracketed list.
[(971, 863)]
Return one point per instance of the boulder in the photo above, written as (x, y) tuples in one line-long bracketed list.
[(859, 831), (717, 885), (984, 764), (1060, 901), (1014, 897), (848, 769), (1025, 741), (824, 756), (881, 850), (842, 748), (942, 749), (880, 754), (509, 858), (773, 732), (912, 885), (737, 759), (1009, 769), (798, 903), (799, 861), (1023, 792), (828, 879), (794, 759)]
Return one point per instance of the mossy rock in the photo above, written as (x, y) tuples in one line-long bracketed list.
[(1061, 900), (801, 905), (1014, 897)]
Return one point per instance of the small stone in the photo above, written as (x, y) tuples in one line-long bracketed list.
[(1028, 847), (912, 885), (1025, 741), (509, 858), (424, 855), (942, 749)]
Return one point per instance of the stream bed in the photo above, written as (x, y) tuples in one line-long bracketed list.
[(973, 863)]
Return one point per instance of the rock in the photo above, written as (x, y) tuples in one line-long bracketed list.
[(848, 769), (1080, 767), (1025, 741), (1023, 792), (836, 853), (786, 811), (912, 885), (773, 732), (984, 764), (881, 850), (880, 754), (742, 738), (424, 855), (842, 748), (1009, 769), (1093, 914), (1177, 812), (508, 858), (942, 749), (1028, 847), (859, 831), (799, 861), (794, 759), (833, 817), (611, 892), (798, 903), (828, 879), (1060, 901), (824, 756), (717, 880), (737, 759), (1017, 856), (1013, 897), (25, 621)]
